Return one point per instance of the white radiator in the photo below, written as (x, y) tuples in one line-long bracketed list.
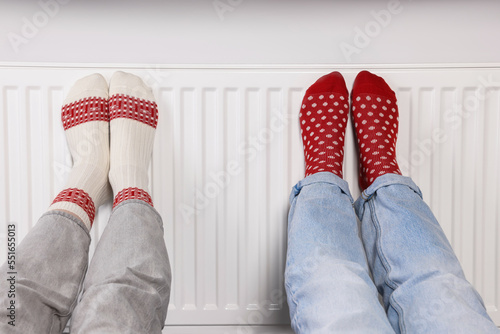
[(227, 153)]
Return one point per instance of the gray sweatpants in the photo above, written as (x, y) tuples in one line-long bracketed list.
[(126, 288)]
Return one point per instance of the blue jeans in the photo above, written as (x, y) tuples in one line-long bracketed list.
[(390, 271)]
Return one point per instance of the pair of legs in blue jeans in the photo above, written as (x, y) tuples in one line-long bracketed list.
[(381, 264), (332, 258)]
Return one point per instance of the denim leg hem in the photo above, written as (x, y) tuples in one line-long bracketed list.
[(322, 177), (384, 181)]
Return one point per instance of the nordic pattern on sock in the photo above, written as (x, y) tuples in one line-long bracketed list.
[(323, 119), (124, 106), (84, 110), (376, 121), (80, 198), (132, 193)]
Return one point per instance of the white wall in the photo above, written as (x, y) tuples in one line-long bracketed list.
[(248, 31)]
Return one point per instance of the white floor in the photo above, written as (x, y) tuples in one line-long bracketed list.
[(228, 330)]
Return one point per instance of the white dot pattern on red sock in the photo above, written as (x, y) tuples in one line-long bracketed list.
[(376, 123), (323, 119)]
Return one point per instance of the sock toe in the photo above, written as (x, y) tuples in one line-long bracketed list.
[(92, 85), (129, 84), (367, 82), (331, 83)]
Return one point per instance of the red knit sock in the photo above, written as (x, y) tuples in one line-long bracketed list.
[(376, 118), (323, 120)]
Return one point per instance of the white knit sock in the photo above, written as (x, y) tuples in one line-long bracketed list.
[(85, 120), (133, 119)]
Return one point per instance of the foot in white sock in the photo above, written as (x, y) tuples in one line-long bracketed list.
[(85, 120), (133, 119)]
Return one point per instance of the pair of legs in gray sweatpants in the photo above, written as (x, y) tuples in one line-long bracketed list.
[(109, 131), (126, 288)]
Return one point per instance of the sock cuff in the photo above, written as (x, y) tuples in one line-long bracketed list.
[(74, 209), (125, 106), (77, 197), (84, 110), (132, 193)]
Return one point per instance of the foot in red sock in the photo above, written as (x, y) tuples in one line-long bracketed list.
[(376, 118), (323, 119)]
